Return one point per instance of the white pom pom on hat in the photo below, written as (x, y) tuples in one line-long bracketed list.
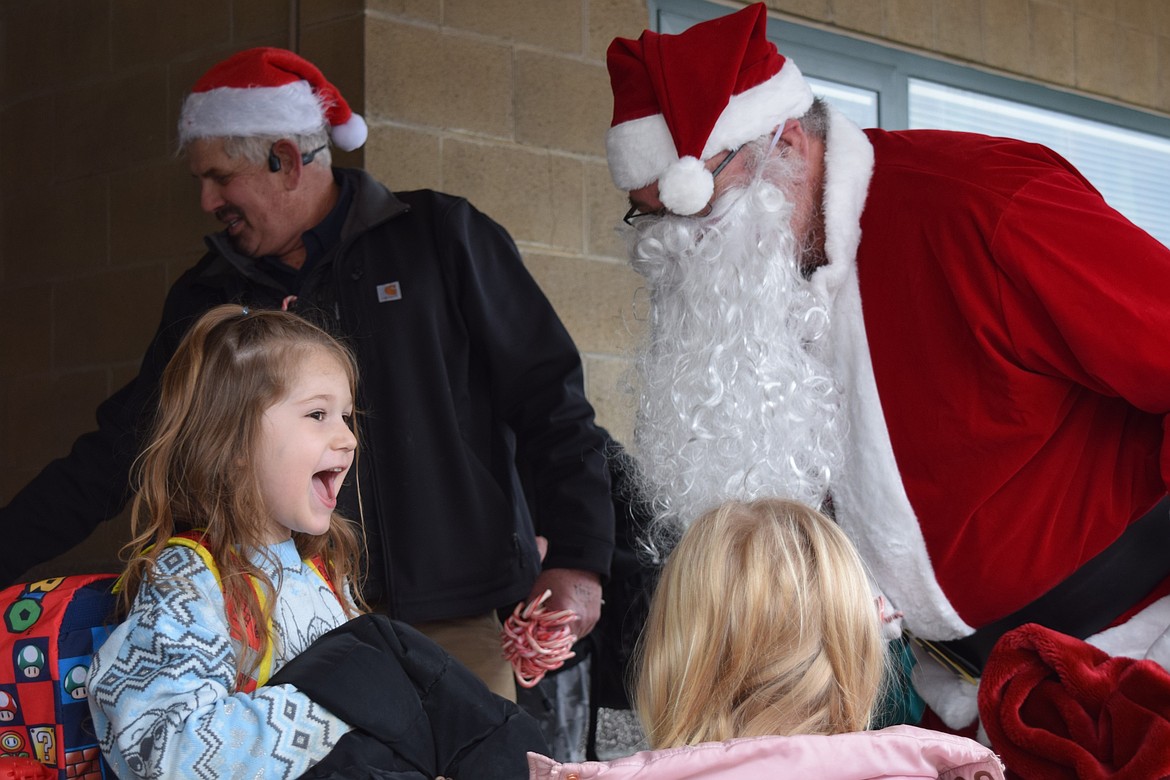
[(686, 187), (268, 91), (350, 135)]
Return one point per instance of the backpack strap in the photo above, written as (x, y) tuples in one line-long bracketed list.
[(243, 630), (317, 564)]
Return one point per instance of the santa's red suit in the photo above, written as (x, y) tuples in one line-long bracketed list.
[(1004, 338)]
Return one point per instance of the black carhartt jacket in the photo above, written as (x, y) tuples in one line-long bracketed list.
[(466, 370)]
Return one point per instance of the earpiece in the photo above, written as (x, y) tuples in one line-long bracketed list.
[(307, 157), (274, 161)]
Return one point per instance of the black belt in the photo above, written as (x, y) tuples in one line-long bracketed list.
[(1090, 598)]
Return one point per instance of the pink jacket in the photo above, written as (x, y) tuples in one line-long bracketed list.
[(896, 752)]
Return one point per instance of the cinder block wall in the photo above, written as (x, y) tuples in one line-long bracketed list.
[(504, 101)]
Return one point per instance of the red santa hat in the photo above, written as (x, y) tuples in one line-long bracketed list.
[(268, 91), (679, 99)]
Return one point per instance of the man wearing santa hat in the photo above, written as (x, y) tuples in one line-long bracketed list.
[(471, 392), (948, 340)]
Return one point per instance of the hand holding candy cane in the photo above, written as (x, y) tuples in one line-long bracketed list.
[(537, 640), (572, 589)]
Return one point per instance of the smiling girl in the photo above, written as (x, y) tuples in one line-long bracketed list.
[(239, 561)]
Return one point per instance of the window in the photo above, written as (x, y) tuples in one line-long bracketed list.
[(1125, 153)]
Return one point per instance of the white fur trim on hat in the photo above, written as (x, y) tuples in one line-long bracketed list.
[(686, 187), (640, 151), (756, 111), (291, 109)]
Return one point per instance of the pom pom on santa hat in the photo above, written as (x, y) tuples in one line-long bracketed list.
[(680, 99), (269, 92)]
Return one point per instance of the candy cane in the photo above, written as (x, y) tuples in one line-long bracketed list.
[(537, 640)]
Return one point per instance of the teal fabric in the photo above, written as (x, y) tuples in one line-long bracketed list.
[(900, 703)]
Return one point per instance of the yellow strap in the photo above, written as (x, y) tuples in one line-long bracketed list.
[(264, 669)]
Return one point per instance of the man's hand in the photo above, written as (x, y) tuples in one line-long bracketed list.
[(572, 589)]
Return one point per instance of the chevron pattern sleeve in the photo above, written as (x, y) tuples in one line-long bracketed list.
[(162, 687)]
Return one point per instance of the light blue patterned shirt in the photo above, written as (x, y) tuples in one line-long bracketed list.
[(161, 687)]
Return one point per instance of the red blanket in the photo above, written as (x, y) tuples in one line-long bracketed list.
[(1057, 707)]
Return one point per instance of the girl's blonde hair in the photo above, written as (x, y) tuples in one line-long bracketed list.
[(197, 471), (763, 623)]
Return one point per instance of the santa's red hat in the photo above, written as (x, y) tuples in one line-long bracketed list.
[(679, 99), (272, 92)]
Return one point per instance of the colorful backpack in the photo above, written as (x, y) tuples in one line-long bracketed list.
[(51, 629)]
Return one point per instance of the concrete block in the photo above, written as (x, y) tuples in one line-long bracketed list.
[(260, 20), (819, 10), (1096, 54), (1052, 31), (1006, 35), (538, 197), (562, 103), (428, 77), (122, 121), (28, 143), (1137, 67), (314, 12), (593, 298), (608, 388), (422, 10), (107, 317), (24, 312), (605, 204), (159, 31), (1163, 76), (1102, 9), (337, 47), (405, 159), (154, 212), (550, 24), (609, 19), (55, 231), (911, 22), (959, 28), (864, 16)]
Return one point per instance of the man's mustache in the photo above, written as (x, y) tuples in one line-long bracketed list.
[(228, 214)]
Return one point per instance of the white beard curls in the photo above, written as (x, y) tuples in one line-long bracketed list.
[(736, 396)]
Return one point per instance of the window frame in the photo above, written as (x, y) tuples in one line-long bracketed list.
[(887, 70)]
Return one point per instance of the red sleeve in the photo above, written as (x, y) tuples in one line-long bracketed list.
[(1085, 295)]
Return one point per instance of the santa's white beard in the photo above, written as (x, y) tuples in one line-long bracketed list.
[(736, 397)]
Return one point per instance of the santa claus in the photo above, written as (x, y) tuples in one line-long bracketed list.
[(949, 340)]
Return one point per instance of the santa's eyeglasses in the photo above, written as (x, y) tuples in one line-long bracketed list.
[(635, 217)]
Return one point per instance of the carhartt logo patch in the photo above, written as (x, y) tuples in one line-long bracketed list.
[(390, 291)]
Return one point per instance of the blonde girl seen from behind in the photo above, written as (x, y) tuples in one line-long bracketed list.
[(763, 623), (763, 656)]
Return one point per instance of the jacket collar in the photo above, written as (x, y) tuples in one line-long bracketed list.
[(372, 205)]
